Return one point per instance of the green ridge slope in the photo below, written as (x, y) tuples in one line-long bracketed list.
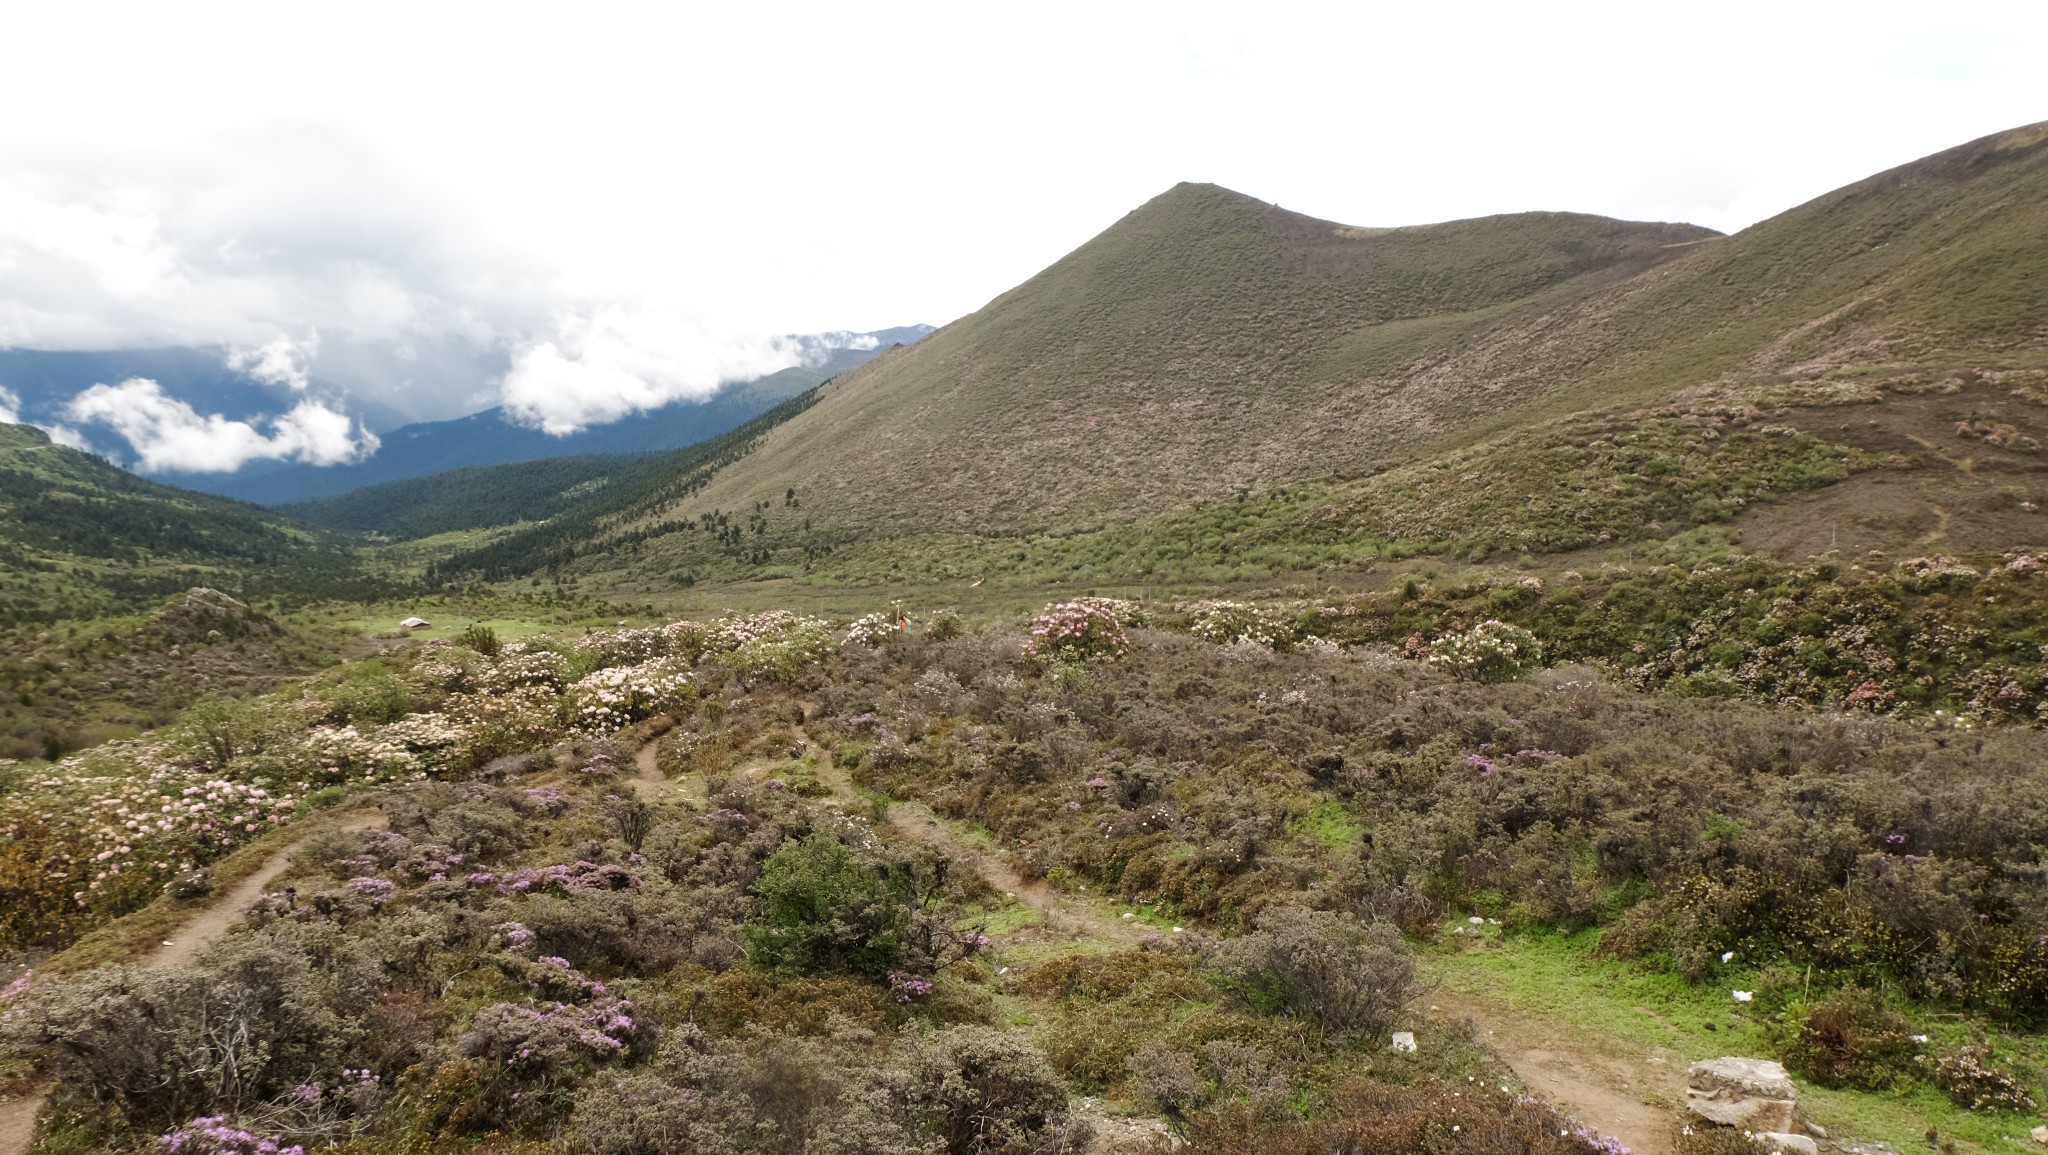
[(80, 538)]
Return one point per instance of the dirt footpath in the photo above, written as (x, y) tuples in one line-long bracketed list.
[(18, 1115), (1618, 1091)]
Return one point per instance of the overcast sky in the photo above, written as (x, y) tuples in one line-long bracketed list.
[(626, 202)]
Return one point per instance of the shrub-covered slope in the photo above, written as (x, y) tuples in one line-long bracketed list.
[(1219, 860), (80, 537)]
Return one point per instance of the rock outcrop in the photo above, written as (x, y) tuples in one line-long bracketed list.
[(1753, 1094)]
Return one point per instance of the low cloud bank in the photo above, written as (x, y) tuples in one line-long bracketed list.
[(315, 265), (604, 363), (168, 434)]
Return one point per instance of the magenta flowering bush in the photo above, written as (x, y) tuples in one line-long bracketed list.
[(551, 1039), (532, 1050), (214, 1135), (909, 988), (1078, 631)]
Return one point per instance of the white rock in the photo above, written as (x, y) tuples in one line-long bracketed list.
[(1753, 1094), (1788, 1143), (2039, 1134), (1743, 996), (1404, 1042)]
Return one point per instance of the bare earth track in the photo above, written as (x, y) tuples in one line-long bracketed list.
[(18, 1115), (1615, 1093)]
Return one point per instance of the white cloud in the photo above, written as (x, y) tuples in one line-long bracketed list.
[(68, 437), (604, 363), (166, 433), (10, 414), (281, 362)]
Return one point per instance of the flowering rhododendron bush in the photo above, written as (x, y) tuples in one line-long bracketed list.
[(1226, 622), (872, 629), (102, 832), (610, 699), (777, 644), (1079, 630), (1492, 651)]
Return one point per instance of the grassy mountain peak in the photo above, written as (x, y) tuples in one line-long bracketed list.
[(1205, 342)]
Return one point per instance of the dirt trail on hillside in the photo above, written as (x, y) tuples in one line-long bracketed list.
[(1060, 910), (18, 1115), (650, 783), (1624, 1092), (1070, 913), (182, 948), (1601, 1087)]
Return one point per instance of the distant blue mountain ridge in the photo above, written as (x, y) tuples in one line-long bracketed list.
[(46, 382)]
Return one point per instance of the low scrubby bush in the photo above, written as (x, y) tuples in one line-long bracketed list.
[(983, 1090), (1973, 1081), (258, 1015), (825, 908), (1852, 1039), (1375, 1119), (1349, 977)]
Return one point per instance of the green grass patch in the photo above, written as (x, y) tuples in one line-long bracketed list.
[(1333, 823), (1557, 979)]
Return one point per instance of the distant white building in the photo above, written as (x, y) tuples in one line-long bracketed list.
[(415, 624)]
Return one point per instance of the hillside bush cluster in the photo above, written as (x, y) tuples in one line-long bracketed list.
[(505, 958), (532, 948), (1080, 630), (1690, 827), (103, 832), (1938, 639)]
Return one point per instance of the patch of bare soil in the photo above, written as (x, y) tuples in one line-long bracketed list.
[(1633, 1096)]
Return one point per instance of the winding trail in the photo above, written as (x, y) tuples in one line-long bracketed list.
[(1072, 915), (1084, 917), (18, 1114), (1600, 1082), (1614, 1092)]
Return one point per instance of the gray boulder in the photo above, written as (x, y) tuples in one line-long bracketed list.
[(1753, 1094)]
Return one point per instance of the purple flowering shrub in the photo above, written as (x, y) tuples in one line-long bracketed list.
[(213, 1135), (533, 1053)]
